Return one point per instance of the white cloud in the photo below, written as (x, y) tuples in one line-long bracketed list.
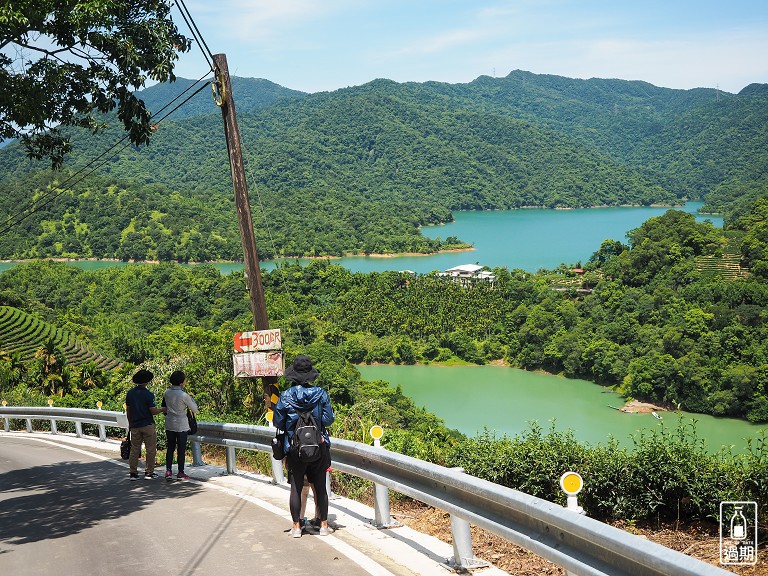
[(259, 21), (313, 44), (441, 42)]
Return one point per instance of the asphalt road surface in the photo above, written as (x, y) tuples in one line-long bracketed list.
[(66, 511)]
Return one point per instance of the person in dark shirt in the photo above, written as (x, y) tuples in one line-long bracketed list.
[(141, 409)]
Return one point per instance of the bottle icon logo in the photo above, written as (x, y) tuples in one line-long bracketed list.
[(738, 524), (738, 533)]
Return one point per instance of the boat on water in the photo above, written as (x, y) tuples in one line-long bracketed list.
[(656, 415)]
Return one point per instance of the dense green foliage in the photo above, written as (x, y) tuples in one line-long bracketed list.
[(22, 334), (654, 325), (360, 169), (666, 476)]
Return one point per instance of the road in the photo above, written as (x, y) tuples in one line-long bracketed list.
[(71, 510)]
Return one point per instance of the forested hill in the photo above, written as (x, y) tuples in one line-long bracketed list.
[(360, 169), (252, 94)]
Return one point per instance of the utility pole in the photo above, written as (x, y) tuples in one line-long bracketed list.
[(226, 102)]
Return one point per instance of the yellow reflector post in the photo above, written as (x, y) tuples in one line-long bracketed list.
[(571, 483)]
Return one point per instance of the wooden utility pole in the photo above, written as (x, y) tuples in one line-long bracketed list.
[(252, 269)]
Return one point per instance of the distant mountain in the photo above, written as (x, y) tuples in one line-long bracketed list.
[(250, 94), (360, 169), (755, 89)]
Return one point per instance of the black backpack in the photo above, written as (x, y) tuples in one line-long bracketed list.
[(307, 438)]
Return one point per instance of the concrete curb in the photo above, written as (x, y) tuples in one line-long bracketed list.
[(399, 551)]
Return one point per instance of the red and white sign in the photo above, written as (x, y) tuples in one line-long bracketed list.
[(259, 340), (249, 364)]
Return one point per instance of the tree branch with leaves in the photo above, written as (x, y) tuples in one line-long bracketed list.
[(66, 62)]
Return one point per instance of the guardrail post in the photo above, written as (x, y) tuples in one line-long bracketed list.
[(197, 454), (29, 424), (6, 421), (572, 483), (231, 461), (463, 558), (381, 508), (102, 430), (277, 465), (331, 496), (53, 422), (79, 429), (278, 477), (381, 517)]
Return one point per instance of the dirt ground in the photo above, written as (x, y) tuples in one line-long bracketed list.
[(634, 406), (698, 540)]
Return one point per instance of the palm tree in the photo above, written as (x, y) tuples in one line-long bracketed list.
[(51, 363), (12, 367), (91, 376)]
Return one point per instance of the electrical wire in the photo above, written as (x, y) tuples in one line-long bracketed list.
[(72, 180), (198, 37), (292, 304), (195, 32)]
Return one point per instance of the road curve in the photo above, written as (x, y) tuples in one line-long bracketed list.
[(67, 507)]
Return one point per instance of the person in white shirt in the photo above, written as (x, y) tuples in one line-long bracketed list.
[(177, 401)]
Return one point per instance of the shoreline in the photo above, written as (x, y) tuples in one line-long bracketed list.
[(639, 407), (194, 263), (630, 406)]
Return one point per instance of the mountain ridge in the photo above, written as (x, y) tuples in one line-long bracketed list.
[(360, 169)]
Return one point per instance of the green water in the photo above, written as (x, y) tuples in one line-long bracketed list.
[(526, 239), (469, 398)]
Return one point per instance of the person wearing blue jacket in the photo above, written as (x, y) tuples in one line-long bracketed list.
[(304, 396)]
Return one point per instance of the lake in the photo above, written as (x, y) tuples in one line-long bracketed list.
[(529, 239), (505, 400)]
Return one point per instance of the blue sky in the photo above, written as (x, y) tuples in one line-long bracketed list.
[(318, 45)]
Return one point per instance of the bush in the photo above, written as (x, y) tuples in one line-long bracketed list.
[(668, 475)]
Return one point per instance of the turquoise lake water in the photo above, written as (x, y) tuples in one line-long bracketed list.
[(528, 239)]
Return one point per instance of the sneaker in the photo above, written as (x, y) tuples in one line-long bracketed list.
[(168, 475), (134, 476), (182, 476), (150, 475), (325, 530), (295, 532)]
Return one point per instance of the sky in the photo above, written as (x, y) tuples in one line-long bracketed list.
[(324, 45)]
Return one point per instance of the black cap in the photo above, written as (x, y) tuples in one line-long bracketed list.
[(301, 371), (143, 377)]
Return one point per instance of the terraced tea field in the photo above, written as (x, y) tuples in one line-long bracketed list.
[(26, 334)]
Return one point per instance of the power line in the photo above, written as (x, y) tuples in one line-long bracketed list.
[(14, 219), (48, 197), (195, 33)]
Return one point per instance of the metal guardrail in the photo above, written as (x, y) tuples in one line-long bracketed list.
[(581, 545), (79, 416)]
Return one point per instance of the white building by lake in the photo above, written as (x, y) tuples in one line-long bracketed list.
[(467, 274)]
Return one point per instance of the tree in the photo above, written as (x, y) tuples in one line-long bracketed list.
[(62, 61)]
